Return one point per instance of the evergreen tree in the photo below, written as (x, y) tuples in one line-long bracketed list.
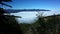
[(8, 23)]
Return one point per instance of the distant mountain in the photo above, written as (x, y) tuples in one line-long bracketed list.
[(58, 16), (20, 10)]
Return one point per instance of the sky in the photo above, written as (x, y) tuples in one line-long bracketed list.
[(53, 5), (36, 4)]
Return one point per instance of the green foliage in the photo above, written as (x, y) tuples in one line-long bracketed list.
[(8, 23), (54, 24), (51, 26), (42, 28), (25, 28)]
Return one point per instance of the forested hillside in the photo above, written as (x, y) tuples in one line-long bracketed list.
[(44, 25)]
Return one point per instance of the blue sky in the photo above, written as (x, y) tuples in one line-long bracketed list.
[(53, 5), (36, 4)]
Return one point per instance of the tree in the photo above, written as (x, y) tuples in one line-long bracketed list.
[(8, 23), (41, 29), (1, 2)]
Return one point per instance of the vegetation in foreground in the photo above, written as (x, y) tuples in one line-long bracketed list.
[(44, 25), (8, 23)]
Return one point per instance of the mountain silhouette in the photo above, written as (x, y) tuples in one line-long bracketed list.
[(21, 10)]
